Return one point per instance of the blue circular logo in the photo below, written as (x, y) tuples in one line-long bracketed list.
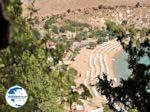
[(16, 96)]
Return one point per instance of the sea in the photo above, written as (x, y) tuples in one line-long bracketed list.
[(121, 65)]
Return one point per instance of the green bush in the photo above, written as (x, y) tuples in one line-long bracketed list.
[(77, 24), (86, 92), (81, 36), (79, 102), (55, 29), (72, 71), (101, 40), (114, 29), (97, 34), (67, 28), (25, 64), (100, 33), (133, 31), (49, 22), (92, 45)]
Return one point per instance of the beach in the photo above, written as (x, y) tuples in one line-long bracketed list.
[(93, 63)]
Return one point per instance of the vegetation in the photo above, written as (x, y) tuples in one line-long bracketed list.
[(55, 29), (92, 45), (67, 28), (74, 53), (72, 71), (51, 85), (49, 22), (114, 30), (24, 63), (77, 24), (100, 40), (99, 35), (86, 92), (133, 92), (133, 110), (80, 36), (107, 109)]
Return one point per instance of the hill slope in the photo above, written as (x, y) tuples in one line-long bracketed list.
[(49, 7)]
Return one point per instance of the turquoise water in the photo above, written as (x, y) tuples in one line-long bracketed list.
[(121, 65)]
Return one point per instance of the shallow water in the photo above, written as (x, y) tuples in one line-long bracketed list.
[(121, 65)]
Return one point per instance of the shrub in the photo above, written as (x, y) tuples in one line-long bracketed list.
[(100, 40), (72, 71), (77, 24), (86, 92), (55, 29), (49, 22), (92, 45), (80, 36), (67, 28), (133, 110), (100, 33), (114, 29), (133, 31)]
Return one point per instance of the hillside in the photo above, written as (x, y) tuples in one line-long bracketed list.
[(49, 7)]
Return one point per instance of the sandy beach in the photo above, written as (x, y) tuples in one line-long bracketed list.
[(91, 63)]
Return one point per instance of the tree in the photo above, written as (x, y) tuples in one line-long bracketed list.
[(115, 30), (133, 92), (24, 63)]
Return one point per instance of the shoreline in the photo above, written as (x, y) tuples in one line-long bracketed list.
[(91, 63), (112, 58)]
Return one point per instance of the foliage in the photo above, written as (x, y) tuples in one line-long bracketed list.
[(25, 63), (115, 30), (72, 71), (67, 28), (72, 97), (97, 33), (107, 109), (49, 21), (79, 102), (100, 40), (80, 36), (92, 45), (55, 29), (100, 33), (133, 110), (133, 92), (86, 93), (77, 24), (74, 53)]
